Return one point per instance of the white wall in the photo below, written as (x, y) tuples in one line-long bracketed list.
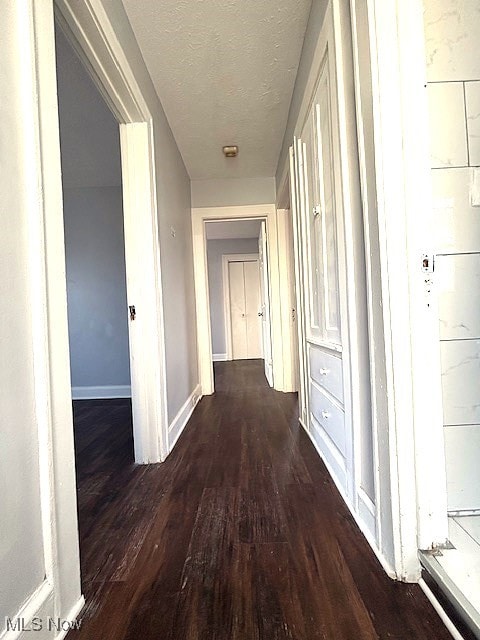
[(94, 237), (453, 72), (230, 192), (215, 250), (37, 489), (22, 564)]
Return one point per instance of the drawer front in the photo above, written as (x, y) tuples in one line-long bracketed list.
[(326, 371), (329, 416)]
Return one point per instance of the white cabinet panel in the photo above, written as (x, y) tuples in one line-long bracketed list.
[(451, 35), (457, 223), (462, 445), (461, 382), (458, 279), (322, 200), (329, 416), (326, 371), (448, 144), (472, 97)]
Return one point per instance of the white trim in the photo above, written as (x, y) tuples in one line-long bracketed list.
[(37, 605), (46, 268), (72, 616), (227, 313), (180, 421), (99, 392), (440, 610), (143, 272), (204, 341), (287, 299), (219, 357)]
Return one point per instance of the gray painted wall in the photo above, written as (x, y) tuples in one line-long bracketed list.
[(215, 250), (96, 290), (233, 192), (315, 21), (93, 218)]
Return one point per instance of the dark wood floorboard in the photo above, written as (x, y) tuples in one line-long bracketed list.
[(239, 535)]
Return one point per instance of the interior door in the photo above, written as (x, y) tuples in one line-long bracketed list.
[(237, 310), (265, 304), (244, 288)]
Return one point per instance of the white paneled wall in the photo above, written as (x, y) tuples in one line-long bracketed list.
[(453, 71)]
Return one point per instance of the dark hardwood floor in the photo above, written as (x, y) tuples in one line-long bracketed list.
[(239, 535)]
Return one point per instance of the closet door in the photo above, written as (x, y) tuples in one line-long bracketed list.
[(245, 305), (237, 310), (253, 306)]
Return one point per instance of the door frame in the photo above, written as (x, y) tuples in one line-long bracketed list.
[(411, 448), (200, 216), (226, 258), (87, 28)]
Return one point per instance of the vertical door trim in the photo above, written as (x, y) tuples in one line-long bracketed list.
[(226, 258)]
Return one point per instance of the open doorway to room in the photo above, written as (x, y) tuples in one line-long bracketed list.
[(96, 283), (239, 297)]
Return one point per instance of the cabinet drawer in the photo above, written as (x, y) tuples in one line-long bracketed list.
[(326, 370), (329, 416)]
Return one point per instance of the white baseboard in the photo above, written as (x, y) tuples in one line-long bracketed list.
[(97, 393), (39, 606), (73, 618), (179, 422), (37, 615), (219, 357)]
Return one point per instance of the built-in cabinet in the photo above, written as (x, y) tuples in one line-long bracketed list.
[(320, 238), (335, 400)]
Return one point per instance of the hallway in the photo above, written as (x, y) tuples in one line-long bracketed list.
[(240, 534)]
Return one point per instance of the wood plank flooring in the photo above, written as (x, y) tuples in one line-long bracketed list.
[(239, 535)]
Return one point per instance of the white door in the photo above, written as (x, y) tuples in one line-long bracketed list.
[(244, 287), (293, 305), (265, 305)]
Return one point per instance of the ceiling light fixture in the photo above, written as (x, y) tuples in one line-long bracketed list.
[(231, 151)]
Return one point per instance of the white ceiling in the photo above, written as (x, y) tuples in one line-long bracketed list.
[(227, 230), (224, 71)]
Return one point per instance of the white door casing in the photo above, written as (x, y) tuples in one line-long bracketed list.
[(204, 346), (265, 305), (142, 247), (296, 182)]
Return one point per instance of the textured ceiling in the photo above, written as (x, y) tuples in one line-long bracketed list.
[(224, 71), (233, 229)]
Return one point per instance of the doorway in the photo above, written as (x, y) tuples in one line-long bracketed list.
[(142, 310), (200, 218), (238, 291)]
